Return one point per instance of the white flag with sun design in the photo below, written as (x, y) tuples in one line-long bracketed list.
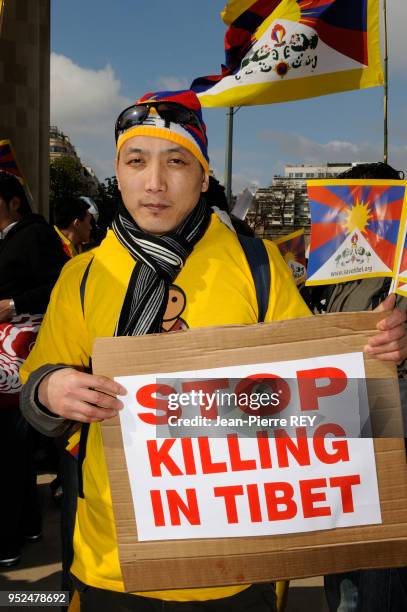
[(355, 229)]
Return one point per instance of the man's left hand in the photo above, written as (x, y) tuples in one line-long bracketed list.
[(5, 311), (391, 343)]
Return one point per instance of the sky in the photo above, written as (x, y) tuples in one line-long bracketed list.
[(107, 53)]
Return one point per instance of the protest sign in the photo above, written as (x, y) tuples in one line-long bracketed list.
[(195, 487), (211, 498)]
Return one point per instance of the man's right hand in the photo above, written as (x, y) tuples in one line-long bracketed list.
[(78, 396)]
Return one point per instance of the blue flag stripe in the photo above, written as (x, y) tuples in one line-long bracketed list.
[(320, 255), (321, 213)]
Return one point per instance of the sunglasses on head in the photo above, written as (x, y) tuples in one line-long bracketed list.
[(170, 112)]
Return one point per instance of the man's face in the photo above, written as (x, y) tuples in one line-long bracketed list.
[(3, 212), (160, 182), (8, 212)]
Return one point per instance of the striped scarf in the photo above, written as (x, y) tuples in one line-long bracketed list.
[(159, 260)]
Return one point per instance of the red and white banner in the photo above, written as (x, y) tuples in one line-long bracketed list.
[(303, 469), (17, 337)]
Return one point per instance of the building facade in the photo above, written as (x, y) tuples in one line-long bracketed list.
[(303, 172), (25, 90), (61, 146), (282, 207)]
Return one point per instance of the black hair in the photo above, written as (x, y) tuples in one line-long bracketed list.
[(378, 170), (10, 187), (68, 210), (215, 195)]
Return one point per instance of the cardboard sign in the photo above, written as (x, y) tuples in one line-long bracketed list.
[(209, 560), (188, 483)]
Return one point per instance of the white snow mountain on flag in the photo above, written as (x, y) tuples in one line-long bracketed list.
[(355, 256)]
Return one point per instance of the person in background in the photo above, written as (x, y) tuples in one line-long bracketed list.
[(375, 590), (97, 232), (216, 198), (31, 259), (73, 224)]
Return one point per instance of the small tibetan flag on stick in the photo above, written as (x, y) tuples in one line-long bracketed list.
[(2, 9), (292, 248), (399, 283), (8, 160), (8, 163), (355, 229)]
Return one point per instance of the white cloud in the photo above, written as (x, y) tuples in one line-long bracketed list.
[(84, 105), (304, 150), (172, 83), (242, 176), (82, 99), (396, 34), (241, 181)]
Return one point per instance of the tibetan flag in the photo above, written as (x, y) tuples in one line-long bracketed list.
[(280, 50), (355, 229), (8, 161), (292, 248), (400, 280)]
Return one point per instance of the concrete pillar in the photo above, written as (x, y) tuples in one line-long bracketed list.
[(25, 90)]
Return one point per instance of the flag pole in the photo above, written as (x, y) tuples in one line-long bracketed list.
[(400, 247), (2, 9), (395, 279), (386, 84), (228, 154)]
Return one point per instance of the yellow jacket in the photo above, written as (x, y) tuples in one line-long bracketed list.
[(219, 289)]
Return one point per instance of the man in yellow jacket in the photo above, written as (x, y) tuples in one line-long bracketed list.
[(165, 238), (73, 224)]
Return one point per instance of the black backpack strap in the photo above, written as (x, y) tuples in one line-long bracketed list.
[(85, 426), (83, 285), (81, 456), (258, 261)]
